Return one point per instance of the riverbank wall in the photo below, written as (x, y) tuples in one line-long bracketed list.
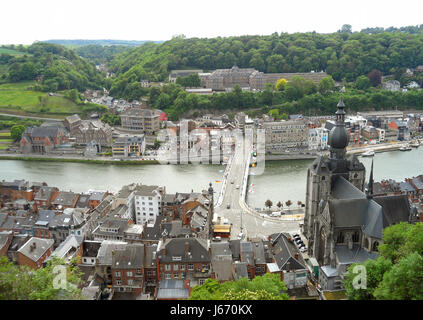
[(78, 160)]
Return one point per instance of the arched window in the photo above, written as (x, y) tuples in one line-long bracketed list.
[(340, 238), (355, 237), (375, 245), (355, 175)]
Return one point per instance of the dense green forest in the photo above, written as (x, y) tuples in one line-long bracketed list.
[(100, 54), (100, 42), (297, 96), (343, 55), (357, 60), (56, 68)]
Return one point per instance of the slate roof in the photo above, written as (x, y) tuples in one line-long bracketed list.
[(172, 289), (350, 207), (150, 256), (285, 252), (44, 193), (153, 232), (73, 118), (259, 254), (418, 183), (146, 191), (329, 271), (357, 254), (240, 270), (406, 186), (82, 201), (65, 198), (395, 209), (104, 254), (90, 248), (343, 189), (42, 245), (41, 132), (4, 237), (96, 196), (71, 242), (132, 257), (235, 246), (176, 248), (247, 254)]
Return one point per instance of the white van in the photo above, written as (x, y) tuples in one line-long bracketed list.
[(276, 214)]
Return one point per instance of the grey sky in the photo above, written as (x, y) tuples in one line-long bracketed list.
[(24, 21)]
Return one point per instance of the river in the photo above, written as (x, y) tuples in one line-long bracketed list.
[(281, 181)]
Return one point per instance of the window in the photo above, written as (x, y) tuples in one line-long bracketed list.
[(130, 282), (129, 273), (117, 274), (175, 275), (201, 281), (118, 282), (355, 237), (139, 271), (175, 267), (168, 276), (191, 267), (375, 245), (167, 267)]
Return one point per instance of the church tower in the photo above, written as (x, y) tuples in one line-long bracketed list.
[(324, 170)]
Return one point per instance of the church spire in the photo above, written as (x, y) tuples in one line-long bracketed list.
[(370, 184)]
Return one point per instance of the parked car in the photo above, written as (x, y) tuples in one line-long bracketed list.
[(275, 214), (303, 249), (295, 235), (232, 182), (237, 186), (228, 206)]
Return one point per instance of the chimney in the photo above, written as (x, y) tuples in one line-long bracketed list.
[(186, 247), (296, 256)]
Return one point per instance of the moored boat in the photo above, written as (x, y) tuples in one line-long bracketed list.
[(368, 153)]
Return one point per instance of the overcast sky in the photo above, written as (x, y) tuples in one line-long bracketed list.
[(24, 21)]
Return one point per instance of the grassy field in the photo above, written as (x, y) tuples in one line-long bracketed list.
[(15, 97), (11, 51), (5, 140)]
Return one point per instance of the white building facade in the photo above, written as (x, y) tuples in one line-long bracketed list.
[(148, 203), (318, 138)]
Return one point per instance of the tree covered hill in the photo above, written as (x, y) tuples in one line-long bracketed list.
[(343, 55), (100, 42), (99, 54), (56, 67)]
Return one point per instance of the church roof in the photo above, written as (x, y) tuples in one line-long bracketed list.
[(357, 254), (395, 209), (343, 189), (350, 207), (320, 166)]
